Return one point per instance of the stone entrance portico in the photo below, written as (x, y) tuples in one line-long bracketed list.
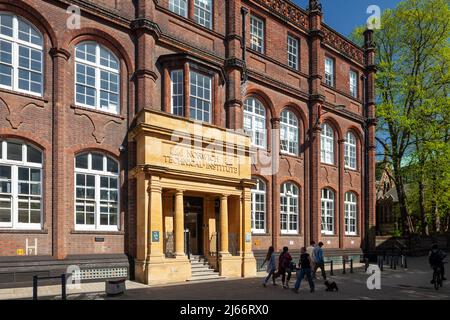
[(177, 158)]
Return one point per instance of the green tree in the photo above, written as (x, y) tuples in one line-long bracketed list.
[(412, 92)]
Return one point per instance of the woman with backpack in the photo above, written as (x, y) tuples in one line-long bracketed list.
[(271, 265), (284, 265)]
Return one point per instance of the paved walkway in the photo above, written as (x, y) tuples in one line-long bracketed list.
[(413, 283)]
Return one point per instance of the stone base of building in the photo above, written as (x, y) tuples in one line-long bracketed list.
[(19, 271), (161, 270), (237, 266)]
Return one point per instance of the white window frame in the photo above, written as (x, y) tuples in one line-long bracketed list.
[(257, 34), (327, 145), (261, 191), (202, 14), (328, 208), (353, 84), (15, 43), (174, 81), (179, 7), (350, 151), (293, 52), (98, 67), (289, 127), (15, 165), (329, 71), (351, 213), (97, 174), (253, 103), (206, 79), (291, 198)]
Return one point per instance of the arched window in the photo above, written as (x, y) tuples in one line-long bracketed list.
[(21, 58), (350, 213), (259, 207), (289, 208), (97, 77), (20, 185), (350, 151), (255, 121), (289, 133), (96, 192), (327, 211), (327, 144)]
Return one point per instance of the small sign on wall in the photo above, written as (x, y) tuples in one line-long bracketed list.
[(248, 237), (20, 252), (155, 236)]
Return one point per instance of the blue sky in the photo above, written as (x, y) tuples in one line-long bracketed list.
[(345, 15)]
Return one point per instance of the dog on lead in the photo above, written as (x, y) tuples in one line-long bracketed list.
[(331, 286)]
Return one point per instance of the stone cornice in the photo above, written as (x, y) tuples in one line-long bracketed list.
[(286, 11), (235, 63), (147, 26), (99, 10), (343, 45)]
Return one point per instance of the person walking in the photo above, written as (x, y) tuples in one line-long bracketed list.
[(271, 266), (319, 261), (305, 270), (310, 251), (284, 262)]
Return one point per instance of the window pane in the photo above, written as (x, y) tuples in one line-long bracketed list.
[(81, 161), (33, 155), (24, 174), (97, 162), (5, 172), (6, 25), (112, 165), (14, 151), (179, 7)]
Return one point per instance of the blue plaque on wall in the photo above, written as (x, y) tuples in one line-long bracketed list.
[(155, 236), (248, 237)]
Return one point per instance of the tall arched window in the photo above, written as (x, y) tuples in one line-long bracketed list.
[(255, 121), (289, 208), (20, 185), (97, 77), (96, 192), (327, 211), (350, 151), (259, 207), (289, 133), (203, 12), (21, 58), (351, 212), (327, 144)]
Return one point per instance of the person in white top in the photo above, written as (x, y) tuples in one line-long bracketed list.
[(310, 251)]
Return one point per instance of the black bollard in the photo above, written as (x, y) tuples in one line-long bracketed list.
[(35, 287), (331, 268), (63, 287), (366, 264), (351, 265), (343, 265), (395, 262), (406, 263), (392, 262)]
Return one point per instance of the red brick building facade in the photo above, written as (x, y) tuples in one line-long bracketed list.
[(71, 89)]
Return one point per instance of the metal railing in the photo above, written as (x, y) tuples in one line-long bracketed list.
[(63, 285)]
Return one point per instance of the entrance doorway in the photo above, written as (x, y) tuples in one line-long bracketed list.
[(193, 210)]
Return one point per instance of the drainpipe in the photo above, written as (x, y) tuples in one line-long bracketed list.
[(366, 168), (244, 12)]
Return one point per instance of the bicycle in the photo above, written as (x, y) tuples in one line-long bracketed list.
[(437, 277)]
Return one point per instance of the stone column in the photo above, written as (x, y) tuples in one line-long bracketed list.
[(155, 220), (179, 224), (370, 144), (248, 259), (275, 143), (224, 225), (316, 100), (59, 177), (341, 193)]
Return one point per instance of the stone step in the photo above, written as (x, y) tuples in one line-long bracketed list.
[(206, 278)]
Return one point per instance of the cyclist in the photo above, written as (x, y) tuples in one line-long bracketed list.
[(436, 258)]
